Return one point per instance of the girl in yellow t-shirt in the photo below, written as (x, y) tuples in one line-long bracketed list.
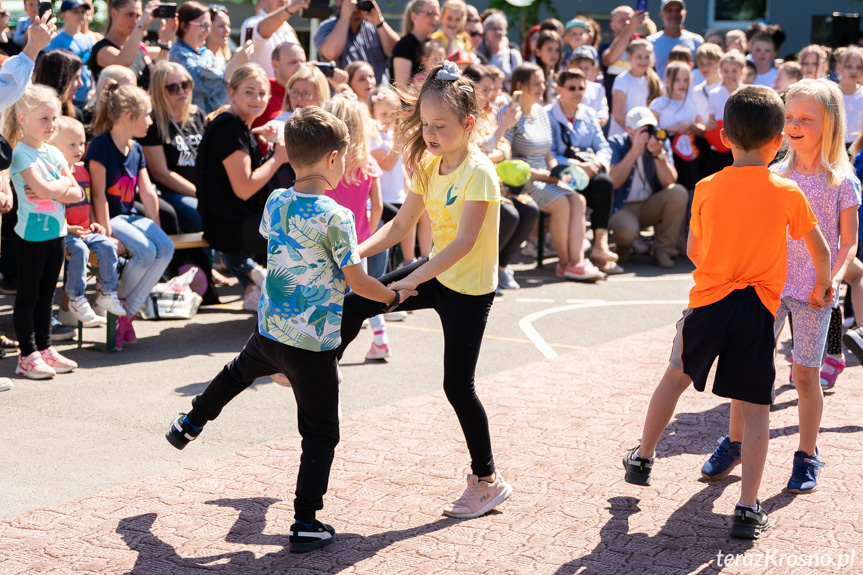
[(457, 184)]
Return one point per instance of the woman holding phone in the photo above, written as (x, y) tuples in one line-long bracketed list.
[(123, 44), (210, 78)]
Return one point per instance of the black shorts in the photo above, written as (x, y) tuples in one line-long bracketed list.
[(739, 330)]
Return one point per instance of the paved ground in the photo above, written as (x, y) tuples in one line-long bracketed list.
[(558, 426)]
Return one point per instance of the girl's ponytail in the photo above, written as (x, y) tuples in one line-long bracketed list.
[(116, 101), (654, 85)]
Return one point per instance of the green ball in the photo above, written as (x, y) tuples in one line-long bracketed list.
[(513, 173)]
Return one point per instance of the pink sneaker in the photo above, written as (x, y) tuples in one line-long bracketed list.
[(830, 370), (34, 367), (378, 351), (60, 363), (479, 498), (129, 331), (583, 272)]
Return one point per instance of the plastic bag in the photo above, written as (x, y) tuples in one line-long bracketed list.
[(173, 299)]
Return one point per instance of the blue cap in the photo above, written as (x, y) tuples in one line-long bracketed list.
[(584, 53), (72, 5), (576, 22)]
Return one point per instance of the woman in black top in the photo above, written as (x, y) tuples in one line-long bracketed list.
[(172, 142), (123, 42), (232, 176), (420, 20)]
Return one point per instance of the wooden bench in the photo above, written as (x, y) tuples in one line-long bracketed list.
[(181, 242)]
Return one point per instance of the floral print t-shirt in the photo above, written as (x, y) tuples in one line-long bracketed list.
[(309, 239)]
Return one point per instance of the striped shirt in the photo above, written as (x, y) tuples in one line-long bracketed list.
[(531, 137)]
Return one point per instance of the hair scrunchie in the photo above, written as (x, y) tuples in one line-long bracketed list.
[(449, 71)]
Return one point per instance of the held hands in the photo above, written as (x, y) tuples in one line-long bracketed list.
[(405, 294), (407, 284), (822, 295)]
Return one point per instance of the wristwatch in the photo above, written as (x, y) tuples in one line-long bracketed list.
[(394, 304), (381, 23), (166, 45)]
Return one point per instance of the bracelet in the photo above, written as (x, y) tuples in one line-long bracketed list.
[(381, 24), (657, 156), (394, 304), (289, 13)]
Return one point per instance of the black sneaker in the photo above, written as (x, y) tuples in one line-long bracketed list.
[(749, 524), (181, 432), (304, 539), (853, 340), (637, 468)]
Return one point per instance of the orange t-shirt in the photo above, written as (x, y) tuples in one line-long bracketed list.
[(742, 217)]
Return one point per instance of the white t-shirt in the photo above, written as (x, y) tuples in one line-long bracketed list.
[(673, 111), (768, 78), (595, 98), (636, 91), (264, 46), (699, 96), (716, 99), (695, 78), (640, 189), (392, 181), (853, 114), (249, 22)]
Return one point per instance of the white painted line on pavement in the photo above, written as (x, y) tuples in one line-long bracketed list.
[(665, 278), (526, 323), (533, 300)]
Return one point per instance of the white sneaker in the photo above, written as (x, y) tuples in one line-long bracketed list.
[(396, 316), (258, 276), (67, 318), (252, 298), (111, 303), (82, 311)]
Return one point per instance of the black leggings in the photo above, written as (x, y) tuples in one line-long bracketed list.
[(39, 265), (315, 383), (463, 318), (834, 333), (599, 195), (516, 222)]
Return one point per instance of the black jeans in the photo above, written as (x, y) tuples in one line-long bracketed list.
[(463, 318), (516, 222), (315, 383), (39, 265), (599, 195)]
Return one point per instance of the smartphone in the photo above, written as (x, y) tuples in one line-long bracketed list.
[(366, 6), (516, 98), (44, 7), (326, 68), (249, 31), (641, 6), (318, 10), (165, 11)]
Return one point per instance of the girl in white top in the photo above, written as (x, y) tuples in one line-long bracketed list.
[(636, 87), (849, 67), (675, 112), (731, 69), (707, 57)]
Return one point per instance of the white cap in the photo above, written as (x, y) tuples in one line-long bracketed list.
[(639, 116)]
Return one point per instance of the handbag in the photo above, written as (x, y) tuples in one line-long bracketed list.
[(584, 155)]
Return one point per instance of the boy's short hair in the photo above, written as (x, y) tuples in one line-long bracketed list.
[(753, 116), (735, 35), (69, 123), (792, 70), (569, 74), (708, 52), (734, 57), (680, 54), (311, 134), (763, 38)]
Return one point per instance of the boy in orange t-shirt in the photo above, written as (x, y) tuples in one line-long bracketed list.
[(737, 240)]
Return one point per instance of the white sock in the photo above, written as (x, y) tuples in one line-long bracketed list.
[(748, 507)]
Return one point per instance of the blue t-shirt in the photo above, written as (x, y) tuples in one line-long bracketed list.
[(121, 172), (663, 44), (309, 239), (81, 45), (38, 220)]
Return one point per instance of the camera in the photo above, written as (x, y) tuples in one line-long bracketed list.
[(366, 6), (660, 134)]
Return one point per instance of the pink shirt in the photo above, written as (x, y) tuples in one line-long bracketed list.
[(354, 196)]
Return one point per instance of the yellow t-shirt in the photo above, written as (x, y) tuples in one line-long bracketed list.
[(475, 180)]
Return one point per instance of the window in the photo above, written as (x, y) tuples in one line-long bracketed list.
[(728, 14)]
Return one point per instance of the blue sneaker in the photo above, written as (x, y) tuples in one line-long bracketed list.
[(725, 458), (181, 432), (804, 473)]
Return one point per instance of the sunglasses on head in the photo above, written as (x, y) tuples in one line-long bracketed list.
[(174, 89), (216, 8)]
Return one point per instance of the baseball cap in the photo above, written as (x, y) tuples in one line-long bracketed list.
[(72, 5), (461, 57), (639, 116), (584, 53), (667, 2), (576, 22)]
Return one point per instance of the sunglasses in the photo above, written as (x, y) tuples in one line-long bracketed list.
[(174, 89), (475, 33), (301, 95), (204, 25), (431, 13), (575, 88)]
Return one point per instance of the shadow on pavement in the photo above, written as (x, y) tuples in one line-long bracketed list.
[(688, 542), (157, 557)]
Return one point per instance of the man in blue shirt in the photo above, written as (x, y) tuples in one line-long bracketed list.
[(673, 15), (74, 13)]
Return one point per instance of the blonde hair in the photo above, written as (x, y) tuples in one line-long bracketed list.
[(708, 52), (842, 54), (654, 84), (112, 72), (382, 94), (822, 57), (356, 117), (34, 96), (733, 57), (672, 71), (315, 77), (834, 159), (413, 7), (116, 101), (158, 94)]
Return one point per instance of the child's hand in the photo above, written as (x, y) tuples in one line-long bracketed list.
[(406, 284), (79, 231), (821, 296), (511, 116), (268, 132), (405, 294), (98, 228), (711, 125)]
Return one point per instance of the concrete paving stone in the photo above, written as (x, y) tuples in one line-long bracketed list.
[(558, 427)]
